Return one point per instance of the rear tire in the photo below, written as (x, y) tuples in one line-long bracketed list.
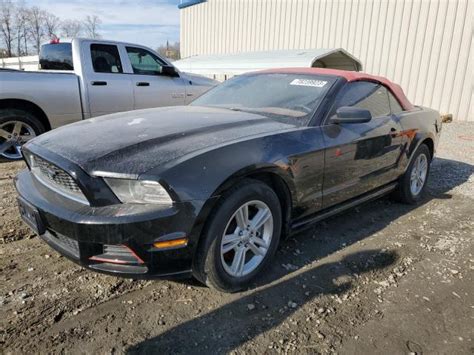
[(16, 127), (231, 256), (412, 184)]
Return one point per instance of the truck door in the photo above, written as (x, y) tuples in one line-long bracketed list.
[(109, 89), (152, 87), (360, 157)]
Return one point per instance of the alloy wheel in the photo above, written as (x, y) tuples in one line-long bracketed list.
[(418, 174), (247, 238), (13, 134)]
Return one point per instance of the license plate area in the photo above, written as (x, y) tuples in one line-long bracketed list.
[(30, 216)]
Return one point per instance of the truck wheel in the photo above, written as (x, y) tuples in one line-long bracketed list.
[(16, 128), (241, 238), (413, 183)]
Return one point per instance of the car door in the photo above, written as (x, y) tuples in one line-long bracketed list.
[(152, 87), (360, 157), (109, 89)]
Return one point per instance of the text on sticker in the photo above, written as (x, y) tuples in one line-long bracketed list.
[(309, 82)]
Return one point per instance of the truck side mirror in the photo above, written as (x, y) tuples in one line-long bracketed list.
[(348, 114), (169, 70)]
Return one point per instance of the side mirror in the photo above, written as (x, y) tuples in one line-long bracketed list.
[(169, 70), (348, 114)]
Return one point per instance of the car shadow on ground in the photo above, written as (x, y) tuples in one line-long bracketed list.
[(5, 161), (231, 325)]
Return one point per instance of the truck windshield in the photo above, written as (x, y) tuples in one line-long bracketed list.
[(289, 96), (56, 56)]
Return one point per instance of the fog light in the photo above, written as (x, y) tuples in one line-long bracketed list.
[(174, 243)]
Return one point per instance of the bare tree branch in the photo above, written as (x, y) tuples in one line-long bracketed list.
[(36, 22), (21, 30), (7, 17), (52, 23), (71, 28), (91, 25)]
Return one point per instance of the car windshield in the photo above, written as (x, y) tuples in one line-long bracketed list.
[(292, 97)]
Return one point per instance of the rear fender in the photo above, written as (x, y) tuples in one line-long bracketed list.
[(415, 143)]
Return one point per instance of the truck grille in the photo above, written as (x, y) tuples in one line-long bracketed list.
[(56, 178)]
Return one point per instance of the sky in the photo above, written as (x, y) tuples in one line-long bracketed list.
[(147, 22)]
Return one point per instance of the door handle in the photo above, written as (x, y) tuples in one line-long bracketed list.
[(143, 83), (99, 83)]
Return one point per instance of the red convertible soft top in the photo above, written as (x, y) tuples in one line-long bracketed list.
[(351, 76)]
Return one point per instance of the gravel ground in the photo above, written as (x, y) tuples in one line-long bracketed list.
[(383, 278)]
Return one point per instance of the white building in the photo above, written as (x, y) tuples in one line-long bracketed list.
[(424, 45)]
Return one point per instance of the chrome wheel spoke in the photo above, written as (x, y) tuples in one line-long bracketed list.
[(4, 134), (17, 128), (259, 241), (230, 242), (256, 250), (26, 137), (260, 218), (238, 263), (423, 165), (17, 149), (242, 217), (4, 146)]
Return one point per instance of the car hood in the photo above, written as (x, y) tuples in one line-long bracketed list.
[(134, 142)]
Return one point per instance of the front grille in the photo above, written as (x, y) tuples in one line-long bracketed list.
[(56, 178), (68, 244), (56, 175)]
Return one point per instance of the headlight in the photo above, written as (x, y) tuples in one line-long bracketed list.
[(139, 191), (29, 158)]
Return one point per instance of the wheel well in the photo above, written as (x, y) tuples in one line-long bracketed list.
[(429, 143), (27, 106), (281, 189)]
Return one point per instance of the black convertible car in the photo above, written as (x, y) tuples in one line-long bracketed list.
[(209, 189)]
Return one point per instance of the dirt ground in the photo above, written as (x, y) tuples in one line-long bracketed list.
[(383, 278)]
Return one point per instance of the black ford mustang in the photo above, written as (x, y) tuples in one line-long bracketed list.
[(208, 189)]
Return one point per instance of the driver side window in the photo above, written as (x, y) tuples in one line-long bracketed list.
[(365, 95), (144, 62)]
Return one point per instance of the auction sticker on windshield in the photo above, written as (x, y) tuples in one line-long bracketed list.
[(309, 82)]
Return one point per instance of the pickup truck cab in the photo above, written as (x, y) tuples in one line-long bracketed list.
[(83, 78)]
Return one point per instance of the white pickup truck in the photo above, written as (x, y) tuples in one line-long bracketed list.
[(84, 78)]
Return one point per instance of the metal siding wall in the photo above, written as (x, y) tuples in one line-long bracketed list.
[(425, 46)]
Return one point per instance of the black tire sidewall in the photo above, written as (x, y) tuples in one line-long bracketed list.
[(213, 271)]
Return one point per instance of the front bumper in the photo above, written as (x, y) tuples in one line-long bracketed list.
[(85, 234)]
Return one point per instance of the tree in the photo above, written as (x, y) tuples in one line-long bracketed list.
[(171, 51), (51, 23), (7, 16), (91, 26), (36, 24), (71, 28), (21, 30)]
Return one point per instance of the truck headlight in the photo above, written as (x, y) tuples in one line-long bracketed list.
[(139, 191)]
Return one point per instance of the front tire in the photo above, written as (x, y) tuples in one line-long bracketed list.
[(412, 184), (241, 237)]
